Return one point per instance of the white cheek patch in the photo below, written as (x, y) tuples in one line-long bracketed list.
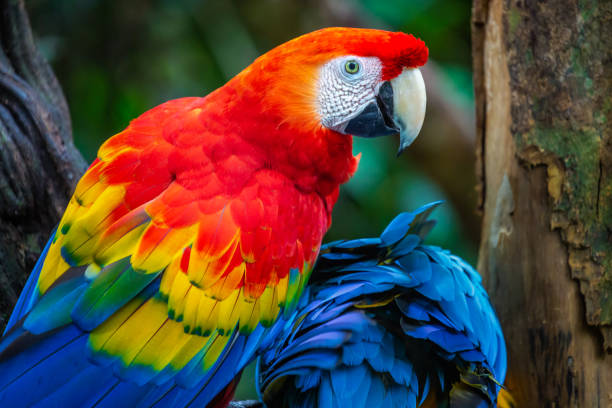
[(341, 97)]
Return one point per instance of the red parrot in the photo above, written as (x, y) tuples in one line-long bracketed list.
[(198, 225)]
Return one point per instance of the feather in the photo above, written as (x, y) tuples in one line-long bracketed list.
[(114, 286), (60, 354), (397, 228), (418, 265), (29, 294), (351, 318), (375, 395), (54, 308)]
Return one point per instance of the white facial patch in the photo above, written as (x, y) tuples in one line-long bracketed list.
[(343, 91)]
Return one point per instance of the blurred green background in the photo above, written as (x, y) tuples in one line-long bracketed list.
[(116, 59)]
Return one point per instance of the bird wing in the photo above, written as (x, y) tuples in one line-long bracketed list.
[(171, 252)]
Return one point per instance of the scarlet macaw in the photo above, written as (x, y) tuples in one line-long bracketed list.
[(387, 322), (198, 225)]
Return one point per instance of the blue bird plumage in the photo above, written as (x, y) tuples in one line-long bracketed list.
[(387, 322), (46, 361)]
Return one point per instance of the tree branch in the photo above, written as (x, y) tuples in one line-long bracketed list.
[(39, 164)]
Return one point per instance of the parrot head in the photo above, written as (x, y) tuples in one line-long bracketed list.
[(351, 81)]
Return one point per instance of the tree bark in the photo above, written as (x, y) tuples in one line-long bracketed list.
[(543, 80), (39, 164)]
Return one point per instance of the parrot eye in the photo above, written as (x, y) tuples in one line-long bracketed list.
[(345, 86), (352, 67)]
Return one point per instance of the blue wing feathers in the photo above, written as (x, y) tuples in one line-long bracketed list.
[(45, 359), (29, 294), (54, 308), (419, 321), (21, 372)]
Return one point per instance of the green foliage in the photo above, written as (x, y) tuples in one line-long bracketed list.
[(443, 24)]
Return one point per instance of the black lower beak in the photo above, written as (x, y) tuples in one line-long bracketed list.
[(376, 119), (399, 107)]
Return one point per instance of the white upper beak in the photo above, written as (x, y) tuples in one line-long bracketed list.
[(409, 101)]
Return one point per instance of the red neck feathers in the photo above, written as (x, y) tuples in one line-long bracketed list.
[(277, 118)]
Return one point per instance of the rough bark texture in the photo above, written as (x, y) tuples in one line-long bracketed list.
[(38, 161), (543, 80)]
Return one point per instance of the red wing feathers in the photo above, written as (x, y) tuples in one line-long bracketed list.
[(223, 231)]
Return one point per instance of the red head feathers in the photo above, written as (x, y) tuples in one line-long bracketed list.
[(279, 94), (396, 50)]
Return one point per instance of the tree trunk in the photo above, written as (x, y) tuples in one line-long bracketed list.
[(39, 164), (543, 80)]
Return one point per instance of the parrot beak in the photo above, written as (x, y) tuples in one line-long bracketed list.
[(399, 108)]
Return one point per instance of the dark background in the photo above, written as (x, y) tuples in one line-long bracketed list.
[(116, 59)]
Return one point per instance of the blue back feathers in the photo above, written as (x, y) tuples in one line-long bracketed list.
[(387, 322)]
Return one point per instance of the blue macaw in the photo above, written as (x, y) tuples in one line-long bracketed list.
[(387, 322)]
